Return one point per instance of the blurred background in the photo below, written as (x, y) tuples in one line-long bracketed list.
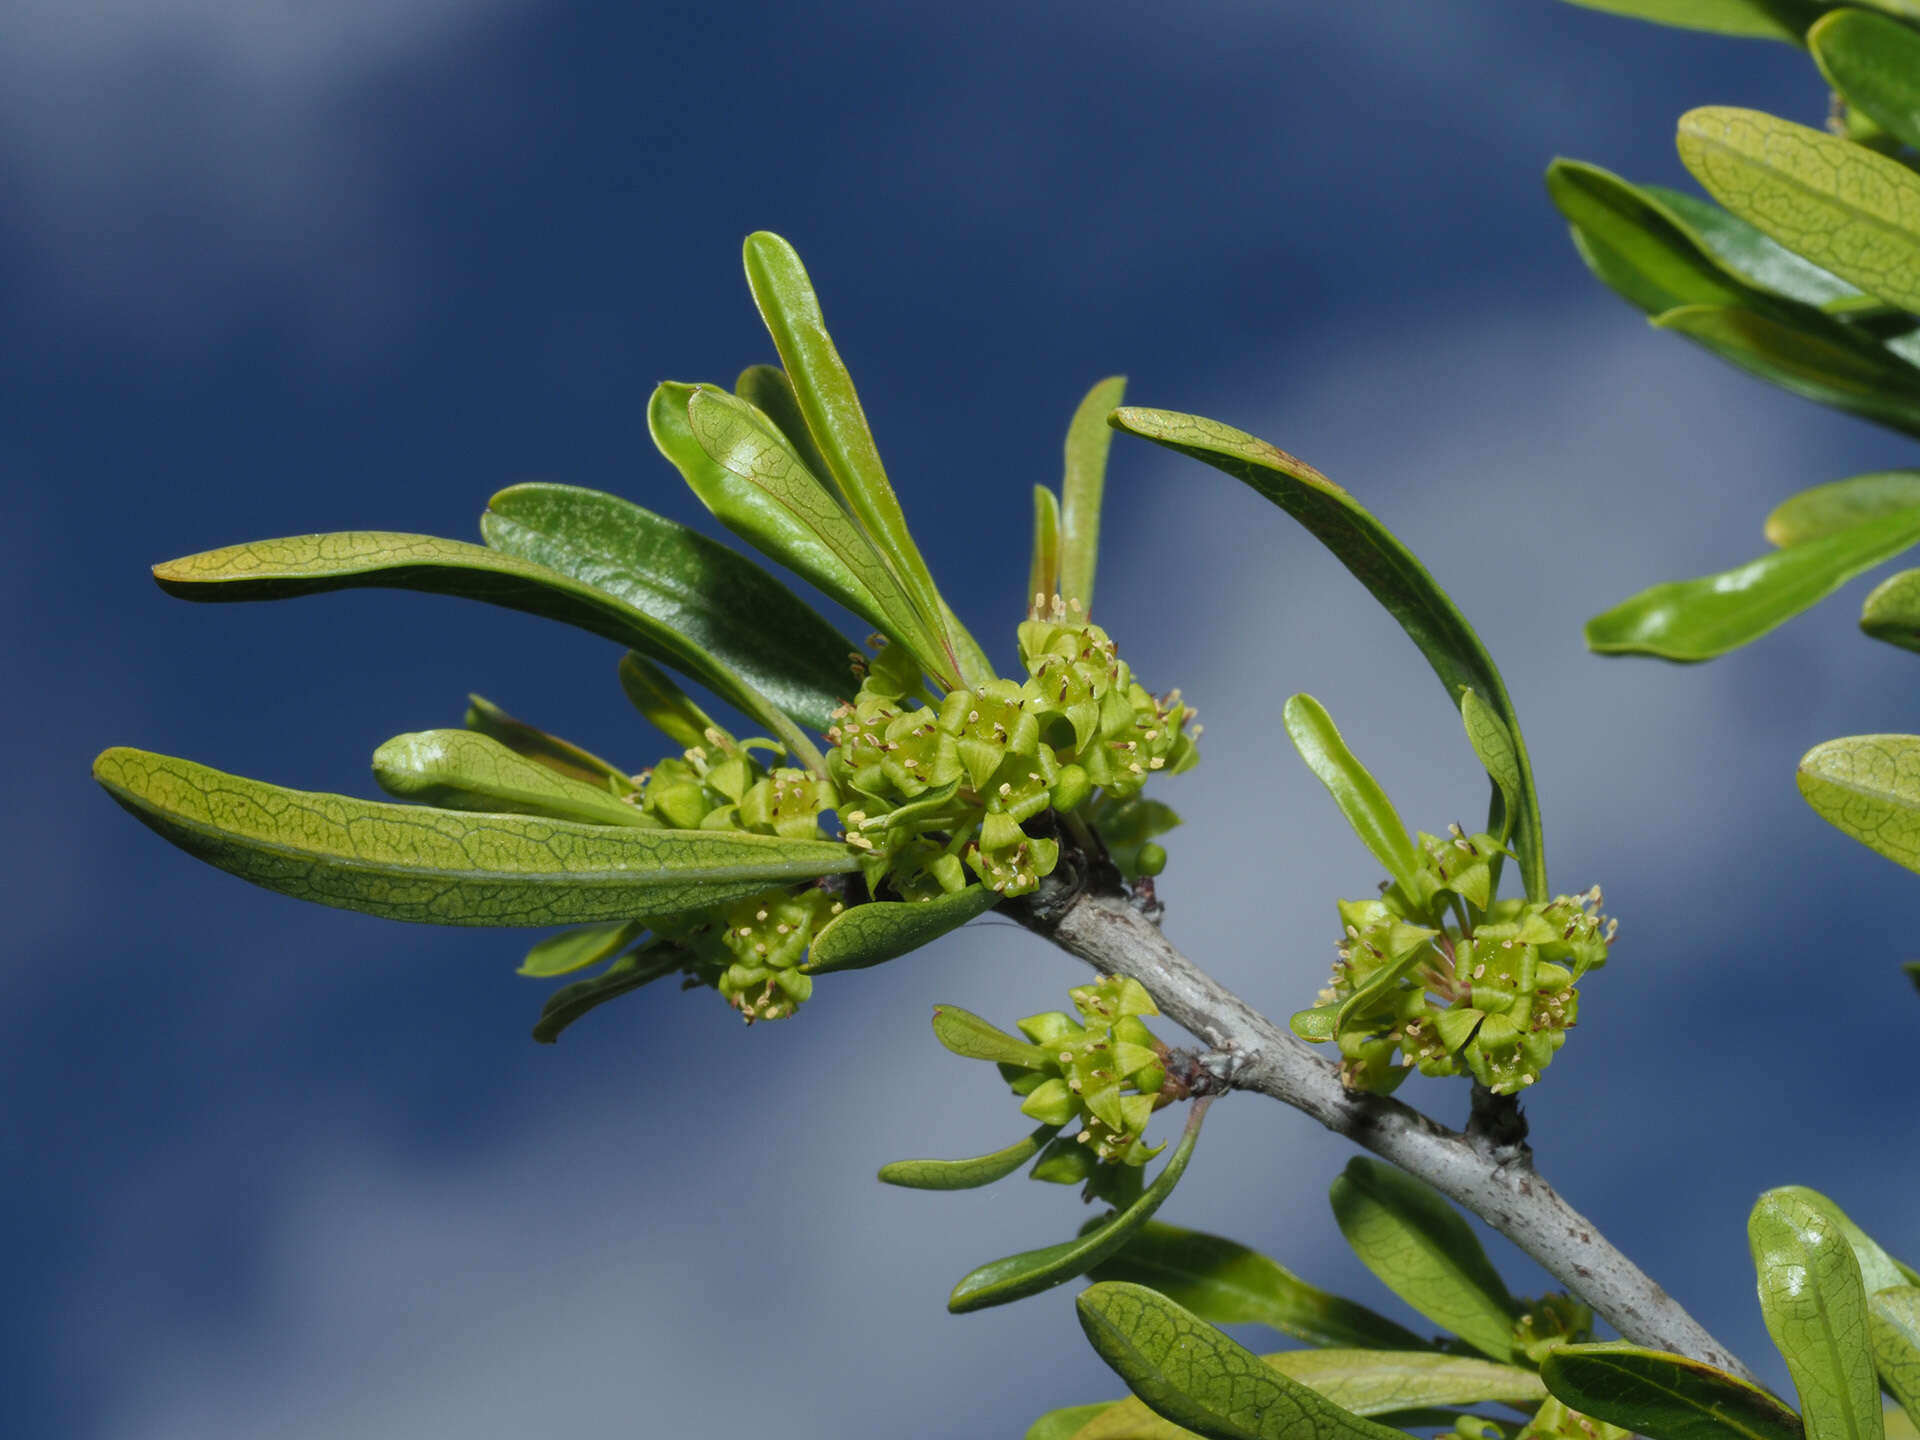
[(268, 268)]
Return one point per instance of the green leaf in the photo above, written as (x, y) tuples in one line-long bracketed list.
[(1028, 1273), (636, 968), (1089, 437), (1874, 62), (1043, 574), (738, 630), (831, 406), (1748, 253), (544, 749), (1841, 504), (1893, 1325), (446, 867), (881, 930), (1698, 619), (743, 470), (1380, 562), (1493, 745), (1868, 786), (1421, 1249), (1891, 612), (576, 949), (967, 1035), (1647, 254), (1878, 1270), (1197, 1377), (1225, 1283), (1665, 1397), (664, 704), (1065, 1424), (1830, 366), (1816, 1312), (1758, 19), (465, 770), (1354, 790), (1847, 209), (768, 390), (967, 1174)]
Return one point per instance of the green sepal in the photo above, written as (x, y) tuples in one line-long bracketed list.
[(560, 756), (966, 1174), (468, 770), (631, 971), (577, 949)]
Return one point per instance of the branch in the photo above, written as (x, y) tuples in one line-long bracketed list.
[(1489, 1169)]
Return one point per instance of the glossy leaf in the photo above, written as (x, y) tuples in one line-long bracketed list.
[(768, 390), (1422, 1250), (636, 968), (1816, 1311), (1698, 619), (1893, 1325), (1066, 1424), (1665, 1397), (664, 704), (1650, 257), (465, 770), (881, 930), (447, 867), (1089, 438), (1842, 206), (1891, 611), (831, 405), (736, 622), (1841, 504), (1400, 1388), (967, 1174), (1758, 19), (1354, 790), (967, 1035), (743, 470), (544, 749), (1874, 62), (1829, 366), (1031, 1271), (1380, 562), (1043, 572), (1749, 253), (1878, 1269), (579, 948), (1225, 1283), (1868, 786), (1198, 1377), (1493, 745)]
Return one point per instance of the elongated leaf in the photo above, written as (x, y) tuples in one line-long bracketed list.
[(1195, 1376), (1875, 63), (967, 1035), (544, 749), (1659, 264), (1899, 1425), (1891, 611), (1698, 619), (1421, 1249), (465, 770), (1066, 1424), (737, 623), (1757, 19), (577, 949), (1816, 1312), (1665, 1397), (631, 971), (1394, 1385), (768, 390), (670, 710), (1749, 254), (1031, 1271), (1849, 372), (1841, 504), (1225, 1283), (967, 1174), (1878, 1270), (1354, 790), (831, 406), (1377, 560), (1868, 786), (1893, 1324), (446, 867), (743, 470), (1842, 206), (1493, 745), (1043, 574), (881, 930), (1089, 438)]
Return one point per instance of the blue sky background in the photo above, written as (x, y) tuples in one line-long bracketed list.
[(268, 268)]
